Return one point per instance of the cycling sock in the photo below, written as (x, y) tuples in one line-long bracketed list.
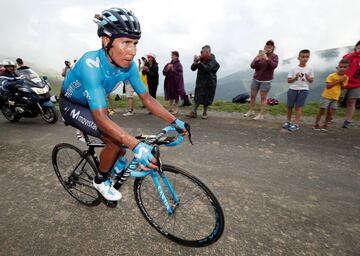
[(101, 177)]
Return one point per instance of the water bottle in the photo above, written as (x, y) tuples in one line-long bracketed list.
[(124, 175), (119, 166)]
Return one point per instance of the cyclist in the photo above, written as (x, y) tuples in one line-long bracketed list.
[(97, 73)]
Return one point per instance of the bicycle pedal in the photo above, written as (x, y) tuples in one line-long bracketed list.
[(108, 203)]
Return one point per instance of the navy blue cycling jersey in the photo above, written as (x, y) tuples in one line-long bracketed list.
[(93, 77)]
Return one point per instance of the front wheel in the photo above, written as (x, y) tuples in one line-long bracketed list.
[(49, 115), (9, 115), (76, 173), (197, 220)]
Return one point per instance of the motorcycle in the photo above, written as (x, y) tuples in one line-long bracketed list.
[(29, 97)]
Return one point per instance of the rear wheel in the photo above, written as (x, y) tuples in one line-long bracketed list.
[(198, 219), (76, 173), (9, 115), (50, 115)]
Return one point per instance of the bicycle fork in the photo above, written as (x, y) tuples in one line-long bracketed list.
[(170, 210)]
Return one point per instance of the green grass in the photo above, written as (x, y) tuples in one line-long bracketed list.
[(310, 109)]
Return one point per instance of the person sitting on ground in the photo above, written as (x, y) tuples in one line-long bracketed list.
[(331, 94), (20, 64), (83, 95), (299, 78), (130, 98)]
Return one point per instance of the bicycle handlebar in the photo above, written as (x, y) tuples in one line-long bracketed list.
[(167, 129), (159, 138)]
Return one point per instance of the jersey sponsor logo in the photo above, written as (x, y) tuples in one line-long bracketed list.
[(75, 114), (72, 87), (141, 152), (93, 63), (86, 94)]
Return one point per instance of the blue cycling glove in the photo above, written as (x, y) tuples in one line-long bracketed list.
[(179, 125), (142, 153)]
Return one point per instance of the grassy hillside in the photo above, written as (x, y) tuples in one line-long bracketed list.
[(310, 109)]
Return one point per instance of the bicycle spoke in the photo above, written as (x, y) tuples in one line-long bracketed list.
[(76, 171), (197, 219), (191, 201)]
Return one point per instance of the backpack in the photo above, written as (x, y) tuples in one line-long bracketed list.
[(272, 102), (241, 98)]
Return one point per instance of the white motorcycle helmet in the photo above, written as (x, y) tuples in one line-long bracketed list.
[(8, 62)]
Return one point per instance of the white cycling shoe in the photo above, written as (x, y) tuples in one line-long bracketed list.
[(107, 190)]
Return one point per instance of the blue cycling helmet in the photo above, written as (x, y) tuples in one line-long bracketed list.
[(118, 22)]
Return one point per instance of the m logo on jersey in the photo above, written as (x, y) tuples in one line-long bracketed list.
[(93, 63), (74, 114)]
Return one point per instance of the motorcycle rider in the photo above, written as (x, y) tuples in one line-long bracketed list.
[(97, 73), (20, 64), (8, 76)]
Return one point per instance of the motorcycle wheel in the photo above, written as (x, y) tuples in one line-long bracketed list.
[(9, 115), (50, 115)]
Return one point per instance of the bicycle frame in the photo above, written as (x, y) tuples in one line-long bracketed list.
[(131, 168)]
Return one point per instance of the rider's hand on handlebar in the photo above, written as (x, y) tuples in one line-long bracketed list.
[(180, 126), (142, 153)]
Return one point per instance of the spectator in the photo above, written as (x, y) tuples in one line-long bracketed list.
[(2, 69), (331, 94), (174, 82), (66, 68), (130, 98), (206, 80), (299, 77), (264, 64), (152, 74), (110, 108), (141, 63), (353, 88), (20, 64)]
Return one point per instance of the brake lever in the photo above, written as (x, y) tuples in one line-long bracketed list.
[(187, 127), (156, 153)]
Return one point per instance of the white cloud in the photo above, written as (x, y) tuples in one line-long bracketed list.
[(47, 32)]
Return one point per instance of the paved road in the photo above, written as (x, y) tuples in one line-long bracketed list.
[(282, 193)]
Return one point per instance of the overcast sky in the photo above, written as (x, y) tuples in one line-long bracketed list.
[(46, 32)]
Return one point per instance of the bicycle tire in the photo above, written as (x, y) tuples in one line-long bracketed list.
[(78, 183), (194, 216)]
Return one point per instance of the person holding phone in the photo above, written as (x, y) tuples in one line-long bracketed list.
[(264, 64)]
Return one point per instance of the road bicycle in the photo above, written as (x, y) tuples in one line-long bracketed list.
[(172, 200)]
